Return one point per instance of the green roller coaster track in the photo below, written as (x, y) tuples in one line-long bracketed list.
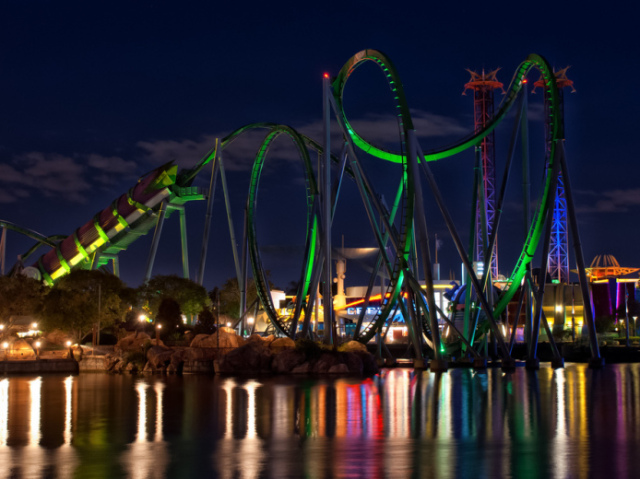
[(400, 220), (403, 237)]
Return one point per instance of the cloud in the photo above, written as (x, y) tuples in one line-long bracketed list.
[(111, 164), (613, 201), (384, 129), (58, 176), (239, 155), (185, 153), (7, 197)]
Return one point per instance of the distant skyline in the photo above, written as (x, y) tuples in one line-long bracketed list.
[(93, 96)]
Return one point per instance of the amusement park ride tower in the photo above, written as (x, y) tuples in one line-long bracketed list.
[(558, 266), (483, 85)]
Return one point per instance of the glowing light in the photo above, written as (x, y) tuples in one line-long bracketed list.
[(559, 308), (159, 326), (326, 75), (1, 327), (142, 318), (68, 387), (228, 325), (250, 320), (5, 345), (34, 325), (4, 411), (68, 343), (38, 344), (35, 390)]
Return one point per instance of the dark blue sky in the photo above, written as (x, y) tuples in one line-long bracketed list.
[(94, 94)]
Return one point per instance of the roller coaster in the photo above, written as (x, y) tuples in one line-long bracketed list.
[(400, 231)]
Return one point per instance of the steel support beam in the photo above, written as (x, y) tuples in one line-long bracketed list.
[(156, 241)]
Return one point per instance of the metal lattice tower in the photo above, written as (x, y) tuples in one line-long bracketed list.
[(558, 263), (483, 85)]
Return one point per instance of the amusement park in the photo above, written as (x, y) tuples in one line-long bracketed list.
[(545, 303)]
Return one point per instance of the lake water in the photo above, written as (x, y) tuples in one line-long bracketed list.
[(571, 422)]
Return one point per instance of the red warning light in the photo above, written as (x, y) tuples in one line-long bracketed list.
[(326, 75), (525, 80)]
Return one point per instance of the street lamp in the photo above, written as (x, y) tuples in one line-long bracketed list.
[(142, 318), (158, 328), (38, 344), (5, 346), (250, 324)]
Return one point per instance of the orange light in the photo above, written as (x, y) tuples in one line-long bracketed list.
[(525, 81), (326, 75)]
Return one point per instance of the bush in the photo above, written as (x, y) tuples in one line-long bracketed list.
[(311, 349), (139, 358), (605, 324)]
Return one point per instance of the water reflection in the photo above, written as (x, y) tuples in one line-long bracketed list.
[(146, 458), (553, 423)]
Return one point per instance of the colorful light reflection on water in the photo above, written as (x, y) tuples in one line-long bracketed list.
[(563, 423)]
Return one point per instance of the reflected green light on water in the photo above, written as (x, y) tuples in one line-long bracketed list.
[(553, 423)]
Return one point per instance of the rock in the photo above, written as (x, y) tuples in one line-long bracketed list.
[(132, 342), (198, 367), (353, 362), (369, 364), (77, 353), (253, 357), (325, 362), (157, 356), (110, 362), (57, 337), (226, 338), (287, 361), (339, 369), (20, 349), (280, 344), (177, 361), (131, 368), (353, 346), (200, 354), (304, 368)]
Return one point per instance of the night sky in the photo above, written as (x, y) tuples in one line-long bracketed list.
[(95, 94)]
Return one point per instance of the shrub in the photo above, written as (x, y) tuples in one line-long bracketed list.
[(139, 358), (605, 324), (311, 349)]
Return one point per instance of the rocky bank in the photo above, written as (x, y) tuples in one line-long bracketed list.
[(225, 352)]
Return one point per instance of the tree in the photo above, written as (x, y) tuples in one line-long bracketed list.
[(206, 322), (83, 299), (229, 296), (169, 315), (20, 296), (190, 296)]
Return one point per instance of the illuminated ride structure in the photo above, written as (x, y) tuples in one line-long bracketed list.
[(483, 86), (559, 249), (610, 289), (400, 231)]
